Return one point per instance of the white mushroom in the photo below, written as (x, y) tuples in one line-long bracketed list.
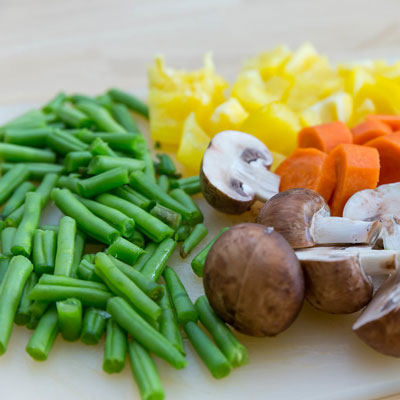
[(303, 218), (379, 324), (381, 204), (235, 172)]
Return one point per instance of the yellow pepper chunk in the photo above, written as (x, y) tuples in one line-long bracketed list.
[(277, 160), (227, 116), (276, 125), (193, 144)]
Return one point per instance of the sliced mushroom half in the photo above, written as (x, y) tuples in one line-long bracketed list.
[(234, 172), (303, 218), (381, 204), (379, 324)]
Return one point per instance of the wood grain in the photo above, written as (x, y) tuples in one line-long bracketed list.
[(87, 46)]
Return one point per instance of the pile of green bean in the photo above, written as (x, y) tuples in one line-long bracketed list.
[(87, 155)]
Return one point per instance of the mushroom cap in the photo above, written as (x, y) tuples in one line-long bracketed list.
[(379, 324), (253, 280), (335, 281), (291, 214), (234, 168), (374, 204)]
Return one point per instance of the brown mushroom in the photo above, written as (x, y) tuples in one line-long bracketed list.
[(335, 280), (234, 172), (381, 204), (253, 280), (303, 218), (379, 324)]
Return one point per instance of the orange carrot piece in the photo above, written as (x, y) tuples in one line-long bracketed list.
[(370, 129), (389, 154), (308, 168), (357, 168), (325, 137), (392, 120)]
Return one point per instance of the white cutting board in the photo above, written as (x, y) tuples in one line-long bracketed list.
[(318, 357)]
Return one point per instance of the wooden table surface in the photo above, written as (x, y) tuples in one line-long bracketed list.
[(88, 46)]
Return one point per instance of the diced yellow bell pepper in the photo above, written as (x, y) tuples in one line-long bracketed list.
[(227, 116), (356, 79), (193, 144), (277, 160), (276, 125), (367, 107)]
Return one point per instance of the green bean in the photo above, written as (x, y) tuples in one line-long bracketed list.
[(123, 116), (23, 311), (188, 181), (11, 180), (211, 355), (30, 119), (166, 166), (168, 323), (152, 227), (104, 100), (155, 265), (36, 137), (12, 286), (148, 252), (130, 101), (60, 280), (192, 188), (154, 290), (2, 225), (87, 272), (7, 238), (170, 217), (72, 116), (142, 152), (37, 309), (233, 350), (125, 142), (36, 170), (76, 159), (182, 233), (143, 333), (138, 239), (75, 98), (79, 248), (127, 193), (17, 198), (100, 116), (65, 246), (199, 232), (63, 143), (57, 125), (69, 182), (185, 310), (93, 326), (86, 220), (88, 296), (53, 228), (22, 243), (124, 250), (145, 373), (122, 286), (4, 262), (183, 198), (44, 251), (200, 259), (151, 190), (100, 148), (69, 313), (42, 340), (103, 182), (115, 349), (55, 102), (114, 217), (17, 153), (163, 182), (101, 164)]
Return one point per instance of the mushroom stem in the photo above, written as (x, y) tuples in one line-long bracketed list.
[(325, 230), (258, 179), (390, 234)]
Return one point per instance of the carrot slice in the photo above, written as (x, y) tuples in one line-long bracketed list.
[(310, 169), (357, 168), (392, 120), (325, 137), (370, 129), (389, 153)]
